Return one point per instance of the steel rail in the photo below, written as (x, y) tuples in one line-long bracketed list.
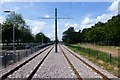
[(19, 66), (71, 65), (98, 72), (37, 67)]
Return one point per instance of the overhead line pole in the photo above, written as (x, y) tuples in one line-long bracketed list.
[(56, 38), (56, 41)]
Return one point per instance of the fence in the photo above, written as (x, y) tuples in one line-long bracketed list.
[(119, 63), (8, 58), (106, 57)]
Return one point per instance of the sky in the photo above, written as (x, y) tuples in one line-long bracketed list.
[(83, 14)]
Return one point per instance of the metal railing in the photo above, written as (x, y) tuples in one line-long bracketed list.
[(8, 57)]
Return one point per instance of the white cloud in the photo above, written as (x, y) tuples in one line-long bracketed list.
[(74, 25), (114, 6), (67, 25), (36, 26), (16, 8), (71, 25), (47, 16), (51, 32), (104, 17), (87, 21), (51, 35), (1, 19)]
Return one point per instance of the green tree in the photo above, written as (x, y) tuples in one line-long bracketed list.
[(101, 33), (71, 36), (22, 31), (40, 37)]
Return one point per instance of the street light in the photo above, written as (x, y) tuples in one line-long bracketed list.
[(10, 11)]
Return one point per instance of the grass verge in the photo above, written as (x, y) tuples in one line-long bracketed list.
[(107, 49), (99, 58)]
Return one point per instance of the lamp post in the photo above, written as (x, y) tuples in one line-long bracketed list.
[(9, 11)]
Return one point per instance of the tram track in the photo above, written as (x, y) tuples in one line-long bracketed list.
[(71, 65), (75, 70), (35, 70), (5, 76)]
